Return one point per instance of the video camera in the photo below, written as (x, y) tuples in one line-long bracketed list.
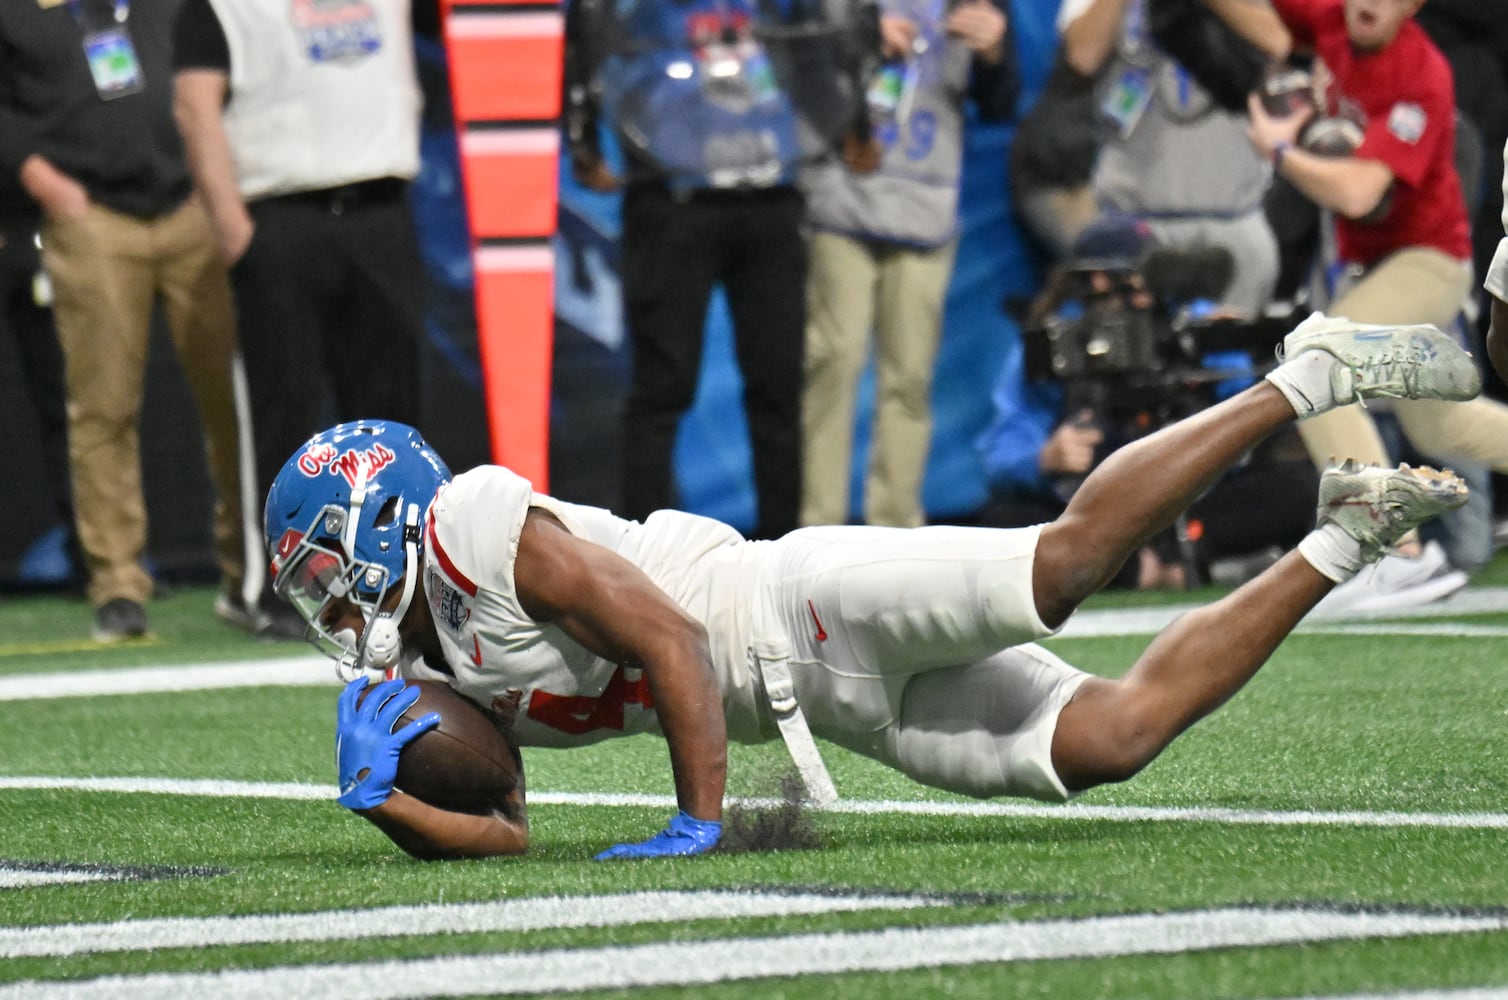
[(1137, 341), (1097, 321), (1138, 346)]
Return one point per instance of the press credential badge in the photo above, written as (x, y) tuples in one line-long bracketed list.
[(111, 54)]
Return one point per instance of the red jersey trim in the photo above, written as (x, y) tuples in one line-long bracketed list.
[(446, 566)]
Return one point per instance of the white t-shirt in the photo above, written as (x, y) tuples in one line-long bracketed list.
[(321, 96)]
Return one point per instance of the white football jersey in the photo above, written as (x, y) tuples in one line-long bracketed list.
[(868, 621), (565, 694)]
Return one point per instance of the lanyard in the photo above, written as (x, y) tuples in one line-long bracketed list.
[(122, 10)]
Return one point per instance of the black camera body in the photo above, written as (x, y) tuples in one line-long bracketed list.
[(1107, 330), (1097, 320), (1097, 328)]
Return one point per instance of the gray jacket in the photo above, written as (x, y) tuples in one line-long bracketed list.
[(912, 198)]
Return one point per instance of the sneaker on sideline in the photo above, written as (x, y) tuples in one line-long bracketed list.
[(118, 620), (279, 622), (1233, 571), (1396, 582)]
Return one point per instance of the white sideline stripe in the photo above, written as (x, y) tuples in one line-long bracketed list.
[(705, 962), (867, 807), (303, 671), (1150, 621), (458, 918)]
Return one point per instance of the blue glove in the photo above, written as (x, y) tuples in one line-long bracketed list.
[(365, 740), (685, 835)]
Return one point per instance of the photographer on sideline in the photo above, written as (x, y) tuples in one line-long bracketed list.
[(1111, 375), (1379, 153)]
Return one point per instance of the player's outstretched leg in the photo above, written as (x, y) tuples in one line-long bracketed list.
[(1328, 361), (1113, 728), (1140, 489)]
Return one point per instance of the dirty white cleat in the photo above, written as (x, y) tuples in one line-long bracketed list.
[(1377, 505), (1329, 361)]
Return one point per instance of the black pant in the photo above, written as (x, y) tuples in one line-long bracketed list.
[(41, 357), (330, 315), (674, 251)]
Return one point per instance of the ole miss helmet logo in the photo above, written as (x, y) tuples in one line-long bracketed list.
[(345, 463)]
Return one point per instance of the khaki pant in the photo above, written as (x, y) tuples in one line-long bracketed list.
[(1415, 285), (107, 270), (897, 292)]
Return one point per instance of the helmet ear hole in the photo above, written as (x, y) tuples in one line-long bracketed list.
[(388, 512)]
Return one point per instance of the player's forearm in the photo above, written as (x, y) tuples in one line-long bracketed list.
[(690, 710), (1497, 338), (432, 834)]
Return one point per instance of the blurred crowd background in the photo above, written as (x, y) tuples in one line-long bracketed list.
[(999, 268)]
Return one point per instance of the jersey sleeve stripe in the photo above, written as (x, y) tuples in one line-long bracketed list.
[(446, 566)]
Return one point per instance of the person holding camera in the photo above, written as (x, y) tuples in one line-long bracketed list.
[(1379, 155), (1172, 155), (711, 138), (1096, 369), (882, 244)]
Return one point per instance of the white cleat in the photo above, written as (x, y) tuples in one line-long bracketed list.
[(1377, 505), (1396, 362)]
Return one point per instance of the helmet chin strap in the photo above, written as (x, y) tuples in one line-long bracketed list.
[(381, 646)]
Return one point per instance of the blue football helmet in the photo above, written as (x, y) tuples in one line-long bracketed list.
[(345, 521)]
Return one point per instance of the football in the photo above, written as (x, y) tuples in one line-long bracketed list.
[(464, 764)]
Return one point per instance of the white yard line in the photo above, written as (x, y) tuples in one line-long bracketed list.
[(500, 917), (315, 671), (302, 671), (1114, 814), (693, 963)]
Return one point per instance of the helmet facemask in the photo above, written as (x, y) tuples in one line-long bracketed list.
[(321, 570), (342, 526)]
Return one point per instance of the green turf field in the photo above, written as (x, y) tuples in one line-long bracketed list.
[(1339, 829)]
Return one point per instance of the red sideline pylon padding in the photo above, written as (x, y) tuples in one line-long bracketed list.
[(505, 67)]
